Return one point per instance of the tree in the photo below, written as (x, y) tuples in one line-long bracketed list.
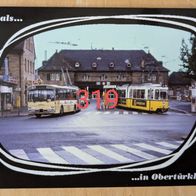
[(188, 57)]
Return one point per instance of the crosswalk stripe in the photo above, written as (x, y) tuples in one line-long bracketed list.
[(116, 112), (153, 148), (86, 113), (51, 156), (166, 144), (19, 153), (134, 113), (125, 112), (106, 112), (109, 153), (82, 155), (179, 142), (98, 112), (134, 151)]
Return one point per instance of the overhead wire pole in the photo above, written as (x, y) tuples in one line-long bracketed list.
[(67, 73), (64, 78), (68, 76)]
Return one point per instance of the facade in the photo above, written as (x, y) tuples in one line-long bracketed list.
[(92, 69), (6, 95), (179, 85), (20, 70)]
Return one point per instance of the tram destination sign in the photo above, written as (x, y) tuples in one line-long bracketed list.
[(106, 95), (141, 103)]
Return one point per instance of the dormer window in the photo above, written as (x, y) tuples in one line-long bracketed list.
[(127, 61), (77, 64), (128, 64), (94, 65), (111, 65)]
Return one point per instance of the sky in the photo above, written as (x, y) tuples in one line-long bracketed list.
[(163, 43)]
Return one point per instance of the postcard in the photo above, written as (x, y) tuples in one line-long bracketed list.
[(97, 97)]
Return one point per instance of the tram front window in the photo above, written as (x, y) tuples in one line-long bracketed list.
[(163, 95)]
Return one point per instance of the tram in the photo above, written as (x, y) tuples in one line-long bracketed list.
[(147, 97)]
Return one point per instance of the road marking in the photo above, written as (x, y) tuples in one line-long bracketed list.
[(153, 148), (86, 113), (125, 112), (98, 112), (166, 144), (51, 156), (116, 112), (82, 155), (109, 153), (106, 112), (19, 153), (134, 151), (179, 142), (134, 113)]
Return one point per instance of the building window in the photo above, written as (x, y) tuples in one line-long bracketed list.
[(28, 66), (118, 77), (99, 58), (57, 77), (25, 65), (48, 77), (94, 65), (103, 77), (33, 71), (111, 65), (86, 77), (53, 77), (128, 64), (154, 77), (77, 64)]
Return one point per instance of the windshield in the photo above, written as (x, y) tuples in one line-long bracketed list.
[(41, 95), (163, 95)]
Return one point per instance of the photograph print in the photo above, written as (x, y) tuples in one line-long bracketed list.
[(106, 95)]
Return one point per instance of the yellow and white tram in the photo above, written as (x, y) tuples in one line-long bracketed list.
[(147, 97)]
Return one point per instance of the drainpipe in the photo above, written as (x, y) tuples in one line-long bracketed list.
[(20, 79)]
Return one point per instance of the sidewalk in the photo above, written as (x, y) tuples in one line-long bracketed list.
[(180, 106), (14, 113)]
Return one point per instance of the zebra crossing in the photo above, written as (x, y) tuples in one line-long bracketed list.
[(124, 112), (98, 153)]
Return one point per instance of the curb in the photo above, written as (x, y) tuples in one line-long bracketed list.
[(13, 115), (178, 110)]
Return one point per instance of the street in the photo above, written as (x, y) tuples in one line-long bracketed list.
[(95, 137)]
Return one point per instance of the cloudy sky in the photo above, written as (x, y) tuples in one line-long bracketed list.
[(163, 43)]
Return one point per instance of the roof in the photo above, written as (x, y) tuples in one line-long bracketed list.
[(102, 58), (179, 78)]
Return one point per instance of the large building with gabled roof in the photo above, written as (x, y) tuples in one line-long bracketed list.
[(93, 69)]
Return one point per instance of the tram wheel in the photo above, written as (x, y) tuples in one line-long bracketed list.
[(159, 111), (38, 115)]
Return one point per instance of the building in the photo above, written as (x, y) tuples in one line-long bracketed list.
[(179, 85), (92, 69), (20, 69)]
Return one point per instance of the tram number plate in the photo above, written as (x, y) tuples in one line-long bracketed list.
[(141, 103)]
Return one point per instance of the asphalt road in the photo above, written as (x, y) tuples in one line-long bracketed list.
[(95, 137)]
